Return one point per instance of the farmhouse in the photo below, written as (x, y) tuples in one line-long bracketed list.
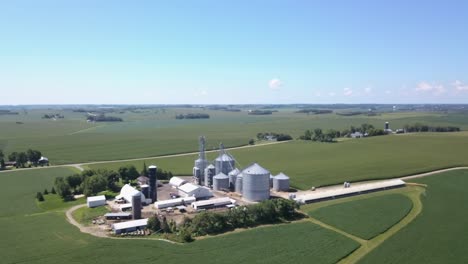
[(95, 201)]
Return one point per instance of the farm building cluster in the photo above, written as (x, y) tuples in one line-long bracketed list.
[(220, 184)]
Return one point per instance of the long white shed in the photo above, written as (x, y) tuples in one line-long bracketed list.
[(95, 201), (174, 202), (129, 226), (213, 203)]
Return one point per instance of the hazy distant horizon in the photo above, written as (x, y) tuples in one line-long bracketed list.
[(242, 52)]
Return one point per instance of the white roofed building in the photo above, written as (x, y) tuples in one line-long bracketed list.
[(196, 191), (95, 201), (177, 182), (129, 226), (127, 192)]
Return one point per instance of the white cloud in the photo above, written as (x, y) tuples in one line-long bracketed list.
[(201, 93), (434, 88), (275, 84), (347, 91), (460, 86), (368, 90)]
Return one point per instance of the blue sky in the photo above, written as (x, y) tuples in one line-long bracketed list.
[(199, 52)]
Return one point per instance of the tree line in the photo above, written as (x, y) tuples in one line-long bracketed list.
[(193, 116), (331, 134), (418, 127), (103, 118), (314, 111), (92, 182), (208, 222), (272, 135), (21, 158)]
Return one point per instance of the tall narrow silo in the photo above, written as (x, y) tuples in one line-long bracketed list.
[(232, 178), (238, 186), (281, 183), (136, 205), (220, 182), (210, 172), (256, 183), (201, 163), (153, 183)]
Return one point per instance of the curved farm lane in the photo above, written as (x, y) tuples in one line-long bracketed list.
[(101, 233), (78, 165)]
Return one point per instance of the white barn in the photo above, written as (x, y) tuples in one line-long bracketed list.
[(196, 191), (127, 192), (129, 226), (177, 182), (95, 201)]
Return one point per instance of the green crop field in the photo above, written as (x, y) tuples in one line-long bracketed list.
[(151, 132), (439, 233), (365, 218), (38, 236), (315, 164)]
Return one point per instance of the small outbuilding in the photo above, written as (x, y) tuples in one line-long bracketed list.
[(95, 201), (118, 216)]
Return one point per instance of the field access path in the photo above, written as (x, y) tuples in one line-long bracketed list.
[(79, 165)]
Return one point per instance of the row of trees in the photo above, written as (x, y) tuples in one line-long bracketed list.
[(193, 116), (205, 223), (425, 128), (51, 116), (331, 134), (91, 182), (274, 136), (103, 118), (314, 111), (21, 158)]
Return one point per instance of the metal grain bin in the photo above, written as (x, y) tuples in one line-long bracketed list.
[(232, 178), (220, 182), (281, 183), (224, 163), (238, 186), (256, 183), (271, 181)]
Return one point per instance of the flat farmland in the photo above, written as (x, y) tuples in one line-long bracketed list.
[(317, 164), (154, 132), (439, 233), (44, 236)]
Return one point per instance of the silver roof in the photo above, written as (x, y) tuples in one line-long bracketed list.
[(221, 176), (224, 157), (210, 166), (255, 169), (235, 171), (282, 176)]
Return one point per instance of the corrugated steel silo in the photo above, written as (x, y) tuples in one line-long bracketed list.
[(224, 163), (256, 183), (220, 182), (232, 178), (210, 172), (281, 183), (271, 181), (238, 186)]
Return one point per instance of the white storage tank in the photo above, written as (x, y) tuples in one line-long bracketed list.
[(232, 178), (238, 186), (256, 183), (281, 183), (220, 182)]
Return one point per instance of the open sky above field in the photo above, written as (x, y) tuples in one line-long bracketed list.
[(233, 52)]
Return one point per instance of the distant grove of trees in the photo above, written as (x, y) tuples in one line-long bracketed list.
[(91, 182), (262, 112), (425, 128), (314, 111), (207, 223), (103, 118), (273, 136), (331, 134), (193, 116), (51, 116)]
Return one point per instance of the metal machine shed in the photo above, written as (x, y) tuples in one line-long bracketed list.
[(127, 192), (129, 226), (212, 203), (95, 201), (118, 216), (196, 191), (353, 190), (174, 202)]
